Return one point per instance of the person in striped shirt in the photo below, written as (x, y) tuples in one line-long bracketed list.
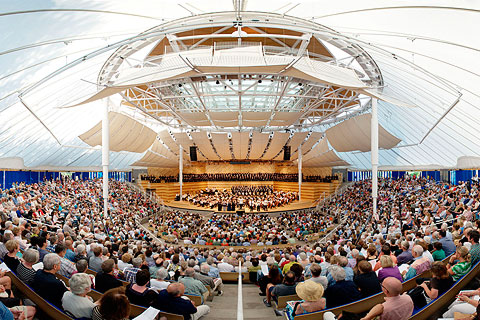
[(25, 271), (463, 265)]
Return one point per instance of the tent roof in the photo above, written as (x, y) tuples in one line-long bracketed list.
[(425, 73)]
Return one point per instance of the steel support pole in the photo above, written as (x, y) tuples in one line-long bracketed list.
[(105, 156), (299, 172), (4, 173), (180, 171), (374, 152)]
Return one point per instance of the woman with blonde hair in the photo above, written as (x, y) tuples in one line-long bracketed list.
[(463, 265), (389, 269)]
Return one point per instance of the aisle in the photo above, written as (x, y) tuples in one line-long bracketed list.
[(225, 307)]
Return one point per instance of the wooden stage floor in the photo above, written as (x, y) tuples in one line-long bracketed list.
[(297, 205)]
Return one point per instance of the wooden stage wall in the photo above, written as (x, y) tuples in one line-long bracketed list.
[(310, 190)]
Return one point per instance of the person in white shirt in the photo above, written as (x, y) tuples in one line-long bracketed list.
[(225, 267), (159, 283), (76, 300)]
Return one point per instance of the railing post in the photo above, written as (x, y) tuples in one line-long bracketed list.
[(239, 293)]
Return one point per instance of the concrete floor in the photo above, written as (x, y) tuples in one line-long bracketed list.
[(225, 307)]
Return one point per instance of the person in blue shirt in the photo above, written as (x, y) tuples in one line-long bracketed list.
[(447, 245), (10, 314)]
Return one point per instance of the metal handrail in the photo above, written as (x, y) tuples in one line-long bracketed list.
[(338, 190)]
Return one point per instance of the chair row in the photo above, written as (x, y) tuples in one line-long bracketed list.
[(53, 312), (367, 303)]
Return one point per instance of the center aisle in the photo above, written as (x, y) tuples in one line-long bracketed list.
[(225, 307)]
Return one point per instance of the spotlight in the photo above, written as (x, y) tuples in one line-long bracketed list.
[(300, 84), (179, 85), (217, 82), (260, 81)]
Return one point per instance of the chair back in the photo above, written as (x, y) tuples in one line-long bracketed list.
[(195, 298), (49, 309), (282, 300)]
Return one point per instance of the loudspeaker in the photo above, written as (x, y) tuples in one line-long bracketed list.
[(193, 153), (286, 153)]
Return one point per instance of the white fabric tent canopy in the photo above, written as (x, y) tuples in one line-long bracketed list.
[(426, 65), (355, 134), (126, 134), (468, 162)]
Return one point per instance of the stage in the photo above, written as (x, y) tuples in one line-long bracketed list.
[(296, 205)]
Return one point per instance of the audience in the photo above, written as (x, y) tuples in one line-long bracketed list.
[(70, 223), (25, 271), (138, 293), (46, 285), (397, 306), (388, 269), (310, 294), (160, 283), (367, 280), (342, 291), (440, 283), (113, 305), (286, 288), (192, 285), (10, 258), (106, 280), (76, 300), (461, 268), (171, 300)]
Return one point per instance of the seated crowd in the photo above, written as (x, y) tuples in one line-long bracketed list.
[(239, 230), (55, 228), (61, 224), (426, 223)]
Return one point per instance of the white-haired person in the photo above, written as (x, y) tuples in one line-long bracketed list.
[(419, 265), (76, 300), (311, 295), (160, 283), (46, 284)]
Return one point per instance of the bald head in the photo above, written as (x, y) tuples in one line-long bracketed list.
[(176, 289), (393, 286), (190, 272)]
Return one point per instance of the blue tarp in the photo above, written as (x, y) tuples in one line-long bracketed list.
[(7, 178)]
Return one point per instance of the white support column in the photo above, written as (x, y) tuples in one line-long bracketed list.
[(105, 156), (180, 171), (3, 185), (300, 172), (374, 153)]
